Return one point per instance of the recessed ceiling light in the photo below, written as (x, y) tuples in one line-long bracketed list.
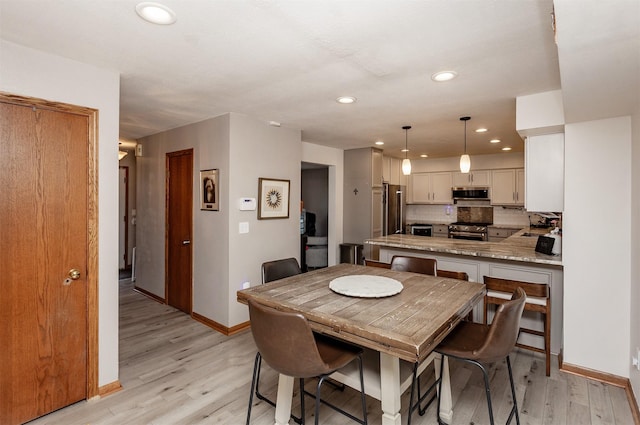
[(424, 155), (155, 13), (481, 130), (506, 148), (444, 76), (346, 99), (494, 141), (379, 143)]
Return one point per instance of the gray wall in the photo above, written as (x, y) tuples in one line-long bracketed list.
[(242, 149)]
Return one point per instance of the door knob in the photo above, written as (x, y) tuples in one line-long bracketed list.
[(74, 274)]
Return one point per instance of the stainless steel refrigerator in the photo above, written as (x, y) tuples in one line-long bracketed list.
[(394, 205)]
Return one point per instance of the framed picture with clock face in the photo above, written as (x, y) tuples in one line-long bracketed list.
[(273, 198)]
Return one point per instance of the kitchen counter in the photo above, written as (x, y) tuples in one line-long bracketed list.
[(518, 247)]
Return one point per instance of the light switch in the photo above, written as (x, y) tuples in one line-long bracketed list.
[(243, 227)]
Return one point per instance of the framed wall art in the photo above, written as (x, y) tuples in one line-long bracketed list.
[(209, 190), (273, 195)]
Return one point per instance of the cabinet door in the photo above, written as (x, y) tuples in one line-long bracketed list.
[(376, 168), (420, 188), (520, 186), (461, 179), (441, 188), (480, 178), (503, 187), (544, 165)]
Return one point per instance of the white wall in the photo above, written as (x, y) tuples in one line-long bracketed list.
[(597, 245), (334, 159), (634, 297), (29, 72)]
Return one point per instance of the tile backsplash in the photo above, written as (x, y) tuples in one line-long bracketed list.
[(448, 214)]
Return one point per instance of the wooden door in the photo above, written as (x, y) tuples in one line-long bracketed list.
[(179, 225), (45, 259)]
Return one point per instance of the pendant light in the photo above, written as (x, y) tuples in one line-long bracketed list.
[(406, 163), (465, 160)]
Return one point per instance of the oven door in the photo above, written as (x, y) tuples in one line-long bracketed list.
[(470, 236)]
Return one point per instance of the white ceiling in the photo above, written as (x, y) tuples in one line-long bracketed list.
[(287, 61)]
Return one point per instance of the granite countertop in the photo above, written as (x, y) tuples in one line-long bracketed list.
[(517, 247)]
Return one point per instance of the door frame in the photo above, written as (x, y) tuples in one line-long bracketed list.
[(92, 222)]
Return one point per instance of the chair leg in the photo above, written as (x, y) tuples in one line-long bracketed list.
[(255, 386), (256, 368), (487, 390), (514, 410)]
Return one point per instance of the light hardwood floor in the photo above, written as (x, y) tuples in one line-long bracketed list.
[(175, 370)]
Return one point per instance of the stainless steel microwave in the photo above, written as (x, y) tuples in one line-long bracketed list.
[(475, 193)]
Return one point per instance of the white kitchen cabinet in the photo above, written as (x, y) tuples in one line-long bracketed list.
[(472, 178), (430, 188), (392, 171), (507, 186), (544, 163), (497, 234)]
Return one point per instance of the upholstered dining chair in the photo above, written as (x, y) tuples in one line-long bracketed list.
[(274, 270), (478, 343), (452, 275), (286, 343), (379, 264), (403, 263)]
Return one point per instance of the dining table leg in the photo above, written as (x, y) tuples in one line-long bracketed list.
[(283, 400), (446, 403), (390, 389)]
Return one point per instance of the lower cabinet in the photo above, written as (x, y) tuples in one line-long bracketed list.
[(496, 234)]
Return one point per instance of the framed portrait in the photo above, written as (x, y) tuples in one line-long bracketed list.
[(209, 190), (273, 198)]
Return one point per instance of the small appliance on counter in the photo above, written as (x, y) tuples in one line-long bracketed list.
[(542, 219)]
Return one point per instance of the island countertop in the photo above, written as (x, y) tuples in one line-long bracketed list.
[(517, 247)]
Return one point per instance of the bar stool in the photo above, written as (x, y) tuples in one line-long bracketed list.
[(538, 300)]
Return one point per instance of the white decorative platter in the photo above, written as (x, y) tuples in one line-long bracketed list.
[(365, 286)]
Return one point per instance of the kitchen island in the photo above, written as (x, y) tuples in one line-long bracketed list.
[(513, 258)]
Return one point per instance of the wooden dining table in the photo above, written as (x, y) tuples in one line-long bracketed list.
[(400, 329)]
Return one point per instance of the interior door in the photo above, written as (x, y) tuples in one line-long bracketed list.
[(43, 262), (179, 225)]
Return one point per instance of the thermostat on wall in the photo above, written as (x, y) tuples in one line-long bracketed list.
[(247, 204)]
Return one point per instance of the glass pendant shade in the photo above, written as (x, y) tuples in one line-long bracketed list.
[(465, 160), (406, 166), (465, 163)]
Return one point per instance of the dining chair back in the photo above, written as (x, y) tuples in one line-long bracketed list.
[(452, 275), (479, 343), (279, 269), (538, 300), (403, 263), (287, 344), (379, 264)]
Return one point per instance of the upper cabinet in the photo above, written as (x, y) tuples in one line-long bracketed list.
[(430, 188), (392, 171), (544, 162), (507, 187), (472, 178)]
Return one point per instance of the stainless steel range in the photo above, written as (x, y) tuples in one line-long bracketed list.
[(469, 231), (472, 223)]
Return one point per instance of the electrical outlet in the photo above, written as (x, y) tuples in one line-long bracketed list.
[(635, 361), (246, 285)]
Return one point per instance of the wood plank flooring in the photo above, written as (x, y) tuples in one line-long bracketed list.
[(175, 370)]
